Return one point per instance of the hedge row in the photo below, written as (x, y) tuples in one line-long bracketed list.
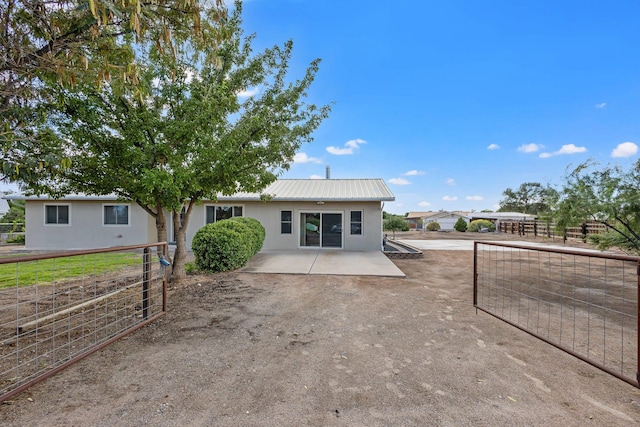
[(227, 244)]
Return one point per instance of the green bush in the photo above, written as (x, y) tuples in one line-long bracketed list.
[(254, 227), (18, 238), (460, 225), (227, 244), (433, 226), (479, 224), (190, 268)]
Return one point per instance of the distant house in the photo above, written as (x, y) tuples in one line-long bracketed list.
[(446, 219), (300, 214), (414, 219)]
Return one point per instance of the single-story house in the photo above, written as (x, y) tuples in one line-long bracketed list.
[(446, 219), (300, 214)]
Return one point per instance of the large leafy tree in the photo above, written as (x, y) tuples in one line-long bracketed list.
[(530, 198), (183, 133), (609, 196), (74, 41)]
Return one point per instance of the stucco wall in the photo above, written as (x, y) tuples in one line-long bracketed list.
[(85, 229), (268, 213)]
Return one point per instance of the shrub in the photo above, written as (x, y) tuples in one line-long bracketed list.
[(227, 244), (254, 227), (18, 238), (460, 225), (433, 226), (190, 268), (481, 224)]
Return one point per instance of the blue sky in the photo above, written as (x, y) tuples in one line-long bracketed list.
[(452, 102)]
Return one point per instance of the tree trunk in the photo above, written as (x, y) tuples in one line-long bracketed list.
[(180, 255), (161, 230)]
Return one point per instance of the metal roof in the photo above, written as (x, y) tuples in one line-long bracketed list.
[(317, 190), (327, 190)]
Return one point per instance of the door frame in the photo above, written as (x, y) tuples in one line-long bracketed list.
[(299, 212)]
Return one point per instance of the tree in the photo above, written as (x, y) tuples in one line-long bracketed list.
[(460, 225), (395, 223), (529, 198), (187, 136), (72, 41), (608, 196)]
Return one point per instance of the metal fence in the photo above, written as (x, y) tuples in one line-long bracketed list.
[(583, 302), (57, 308)]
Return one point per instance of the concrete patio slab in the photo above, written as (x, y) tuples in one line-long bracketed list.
[(467, 245), (323, 262)]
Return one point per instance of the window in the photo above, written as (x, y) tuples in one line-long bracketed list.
[(356, 222), (286, 222), (217, 213), (56, 214), (116, 215)]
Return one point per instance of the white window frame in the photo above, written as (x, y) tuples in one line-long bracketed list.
[(290, 222), (356, 222), (128, 205), (55, 224), (227, 205)]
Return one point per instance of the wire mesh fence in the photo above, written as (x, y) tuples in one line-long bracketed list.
[(58, 308), (583, 302)]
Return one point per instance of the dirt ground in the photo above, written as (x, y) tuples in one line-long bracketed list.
[(243, 349)]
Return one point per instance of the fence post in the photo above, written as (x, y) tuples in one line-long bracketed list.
[(146, 268)]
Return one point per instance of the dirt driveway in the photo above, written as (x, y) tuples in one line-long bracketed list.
[(245, 349)]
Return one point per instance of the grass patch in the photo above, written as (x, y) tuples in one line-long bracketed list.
[(54, 270)]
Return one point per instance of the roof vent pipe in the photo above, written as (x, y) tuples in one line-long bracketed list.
[(328, 172)]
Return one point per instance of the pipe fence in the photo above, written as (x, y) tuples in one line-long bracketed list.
[(58, 308), (581, 301)]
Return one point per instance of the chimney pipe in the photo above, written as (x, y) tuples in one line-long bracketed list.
[(328, 172)]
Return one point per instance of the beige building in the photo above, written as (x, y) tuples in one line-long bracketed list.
[(300, 214)]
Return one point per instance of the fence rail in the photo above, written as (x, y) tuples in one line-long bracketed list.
[(539, 228), (56, 309), (583, 302)]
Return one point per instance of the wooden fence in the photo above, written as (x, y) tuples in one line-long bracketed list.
[(539, 228)]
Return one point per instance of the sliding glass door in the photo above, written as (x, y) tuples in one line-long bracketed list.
[(321, 229)]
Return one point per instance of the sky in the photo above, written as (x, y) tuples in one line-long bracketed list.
[(452, 102)]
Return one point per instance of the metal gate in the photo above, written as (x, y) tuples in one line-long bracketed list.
[(58, 308), (581, 301)]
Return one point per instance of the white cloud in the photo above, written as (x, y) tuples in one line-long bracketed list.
[(474, 198), (493, 147), (316, 177), (601, 105), (414, 172), (399, 181), (247, 93), (451, 181), (565, 149), (303, 158), (399, 205), (450, 198), (349, 147), (424, 204), (626, 149), (530, 148)]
